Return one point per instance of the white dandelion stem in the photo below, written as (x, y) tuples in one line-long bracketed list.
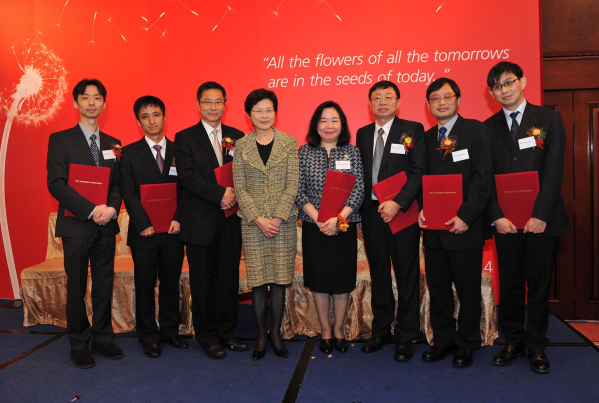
[(441, 6), (330, 8), (278, 8), (94, 25), (10, 260), (193, 12), (65, 6), (223, 17), (117, 30), (153, 25)]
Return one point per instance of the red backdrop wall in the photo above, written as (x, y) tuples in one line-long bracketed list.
[(244, 45)]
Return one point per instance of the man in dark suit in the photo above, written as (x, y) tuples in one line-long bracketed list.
[(456, 255), (525, 257), (151, 160), (383, 151), (213, 241), (90, 235)]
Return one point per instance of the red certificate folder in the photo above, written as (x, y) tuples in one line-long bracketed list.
[(224, 177), (387, 190), (90, 182), (160, 202), (337, 188), (441, 199), (516, 194)]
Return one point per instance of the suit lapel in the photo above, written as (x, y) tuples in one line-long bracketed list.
[(251, 154), (528, 119), (503, 130), (145, 153), (278, 150), (105, 144), (204, 140), (369, 144), (169, 156), (226, 157), (81, 141), (393, 137)]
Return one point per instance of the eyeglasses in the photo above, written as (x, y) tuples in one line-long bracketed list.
[(387, 99), (506, 84), (210, 103), (263, 111), (437, 98)]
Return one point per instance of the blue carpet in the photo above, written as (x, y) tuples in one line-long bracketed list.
[(12, 345), (178, 375), (349, 377), (557, 332)]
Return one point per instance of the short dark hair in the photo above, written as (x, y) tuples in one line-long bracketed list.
[(148, 100), (210, 85), (440, 82), (79, 89), (258, 95), (313, 138), (499, 69), (383, 85)]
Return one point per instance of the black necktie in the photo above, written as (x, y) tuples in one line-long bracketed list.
[(515, 126), (94, 149)]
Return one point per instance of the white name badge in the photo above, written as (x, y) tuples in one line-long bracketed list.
[(173, 171), (460, 155), (108, 154), (527, 142), (231, 154), (342, 164), (398, 149)]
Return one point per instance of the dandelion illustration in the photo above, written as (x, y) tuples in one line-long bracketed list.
[(35, 99)]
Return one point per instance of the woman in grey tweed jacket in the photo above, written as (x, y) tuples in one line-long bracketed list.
[(266, 176)]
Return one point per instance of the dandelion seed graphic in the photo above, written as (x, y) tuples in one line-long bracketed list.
[(223, 17), (278, 8), (330, 8), (35, 99)]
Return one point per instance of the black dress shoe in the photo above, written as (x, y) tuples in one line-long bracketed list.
[(376, 343), (177, 342), (235, 345), (215, 351), (462, 358), (108, 350), (508, 355), (435, 353), (153, 350), (258, 355), (82, 359), (326, 345), (403, 352), (282, 352), (341, 345), (538, 361)]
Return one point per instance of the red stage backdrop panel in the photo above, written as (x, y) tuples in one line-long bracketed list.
[(307, 52)]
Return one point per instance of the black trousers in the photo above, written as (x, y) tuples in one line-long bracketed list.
[(163, 261), (214, 284), (525, 259), (464, 269), (98, 251), (403, 251)]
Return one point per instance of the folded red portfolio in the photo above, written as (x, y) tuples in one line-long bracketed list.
[(224, 177), (160, 202), (337, 188), (516, 195), (90, 182), (387, 190), (441, 199)]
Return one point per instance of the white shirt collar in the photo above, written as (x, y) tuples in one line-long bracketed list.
[(386, 127), (449, 125), (210, 129), (520, 109), (151, 143)]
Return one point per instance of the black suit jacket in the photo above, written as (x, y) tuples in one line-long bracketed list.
[(413, 164), (138, 167), (201, 195), (70, 147), (476, 192), (548, 162)]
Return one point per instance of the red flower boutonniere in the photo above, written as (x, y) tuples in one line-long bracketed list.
[(173, 162), (228, 144), (539, 134), (117, 150), (448, 144), (342, 223), (407, 140)]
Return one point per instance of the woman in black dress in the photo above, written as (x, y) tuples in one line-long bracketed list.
[(330, 256)]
